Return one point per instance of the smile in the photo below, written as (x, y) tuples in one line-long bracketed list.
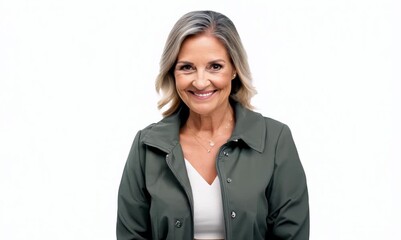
[(203, 95)]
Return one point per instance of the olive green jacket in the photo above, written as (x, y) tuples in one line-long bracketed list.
[(263, 184)]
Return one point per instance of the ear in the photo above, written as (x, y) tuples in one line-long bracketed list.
[(234, 75)]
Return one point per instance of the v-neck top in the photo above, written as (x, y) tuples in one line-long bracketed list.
[(208, 205)]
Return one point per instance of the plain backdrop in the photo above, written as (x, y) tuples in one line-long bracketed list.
[(77, 83)]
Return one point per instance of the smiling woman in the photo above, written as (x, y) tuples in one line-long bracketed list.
[(211, 168), (203, 75)]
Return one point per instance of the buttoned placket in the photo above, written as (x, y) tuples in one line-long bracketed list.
[(178, 223), (222, 157)]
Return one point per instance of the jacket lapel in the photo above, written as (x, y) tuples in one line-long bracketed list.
[(164, 135)]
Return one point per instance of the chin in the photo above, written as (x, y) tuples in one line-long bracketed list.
[(204, 110)]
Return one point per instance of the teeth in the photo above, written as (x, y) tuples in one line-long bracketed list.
[(203, 94)]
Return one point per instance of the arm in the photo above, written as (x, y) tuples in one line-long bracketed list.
[(133, 221), (287, 193)]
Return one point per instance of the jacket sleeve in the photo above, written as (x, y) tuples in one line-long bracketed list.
[(133, 221), (287, 193)]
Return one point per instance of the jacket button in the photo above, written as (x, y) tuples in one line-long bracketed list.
[(229, 180), (178, 224), (233, 214), (225, 154)]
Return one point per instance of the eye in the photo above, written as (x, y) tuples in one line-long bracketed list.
[(215, 66), (185, 67)]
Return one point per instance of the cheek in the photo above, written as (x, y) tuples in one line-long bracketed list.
[(179, 83), (180, 78), (224, 81)]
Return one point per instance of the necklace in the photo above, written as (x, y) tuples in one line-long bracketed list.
[(211, 143)]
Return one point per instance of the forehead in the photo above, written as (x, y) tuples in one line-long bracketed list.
[(204, 45)]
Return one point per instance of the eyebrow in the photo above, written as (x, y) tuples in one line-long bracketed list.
[(183, 62), (213, 61)]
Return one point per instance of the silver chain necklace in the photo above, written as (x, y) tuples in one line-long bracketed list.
[(211, 143)]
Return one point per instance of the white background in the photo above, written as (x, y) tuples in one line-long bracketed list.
[(77, 83)]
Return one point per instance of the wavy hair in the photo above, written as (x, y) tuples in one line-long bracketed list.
[(221, 27)]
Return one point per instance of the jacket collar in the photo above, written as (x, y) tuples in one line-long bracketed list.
[(250, 127)]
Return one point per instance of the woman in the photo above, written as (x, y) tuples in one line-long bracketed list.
[(212, 168)]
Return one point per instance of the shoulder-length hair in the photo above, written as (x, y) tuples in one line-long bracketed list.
[(221, 27)]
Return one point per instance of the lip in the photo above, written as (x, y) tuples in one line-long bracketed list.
[(202, 94)]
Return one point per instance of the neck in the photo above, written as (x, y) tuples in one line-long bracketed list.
[(210, 124)]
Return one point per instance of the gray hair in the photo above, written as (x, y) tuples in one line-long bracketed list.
[(220, 26)]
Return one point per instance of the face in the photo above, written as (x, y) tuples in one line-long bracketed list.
[(203, 74)]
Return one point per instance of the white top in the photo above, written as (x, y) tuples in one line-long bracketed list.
[(208, 206)]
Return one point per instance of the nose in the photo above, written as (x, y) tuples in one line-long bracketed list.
[(201, 81)]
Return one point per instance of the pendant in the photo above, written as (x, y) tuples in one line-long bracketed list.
[(211, 143)]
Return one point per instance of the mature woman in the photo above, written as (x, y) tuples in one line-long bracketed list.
[(211, 168)]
